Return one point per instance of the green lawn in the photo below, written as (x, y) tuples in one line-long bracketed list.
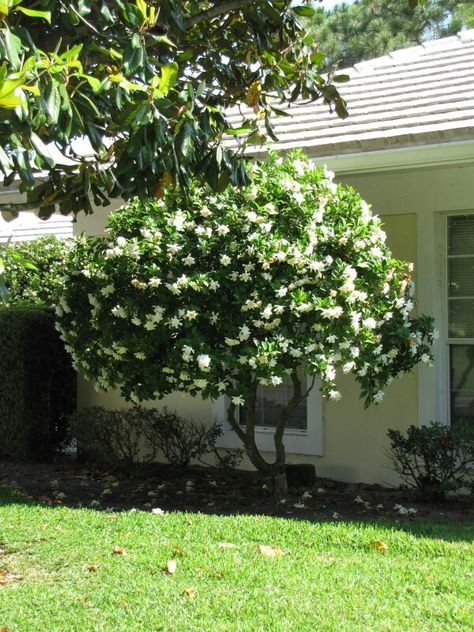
[(329, 579)]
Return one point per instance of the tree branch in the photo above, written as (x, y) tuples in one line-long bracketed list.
[(220, 9)]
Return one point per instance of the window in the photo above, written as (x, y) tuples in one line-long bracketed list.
[(460, 315), (303, 434)]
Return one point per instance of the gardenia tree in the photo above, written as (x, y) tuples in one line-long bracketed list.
[(216, 294)]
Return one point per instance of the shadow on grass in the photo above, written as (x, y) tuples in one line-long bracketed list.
[(445, 530)]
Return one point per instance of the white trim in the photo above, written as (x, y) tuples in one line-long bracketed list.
[(399, 159), (308, 441)]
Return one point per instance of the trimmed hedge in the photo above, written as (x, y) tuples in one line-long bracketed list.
[(37, 384)]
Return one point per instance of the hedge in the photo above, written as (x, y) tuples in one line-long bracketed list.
[(37, 384)]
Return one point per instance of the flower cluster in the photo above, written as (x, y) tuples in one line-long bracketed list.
[(212, 293)]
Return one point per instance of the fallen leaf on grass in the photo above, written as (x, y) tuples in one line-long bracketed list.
[(179, 550), (227, 545), (270, 551), (5, 629), (6, 577), (171, 567), (190, 592), (378, 545), (119, 550), (90, 568)]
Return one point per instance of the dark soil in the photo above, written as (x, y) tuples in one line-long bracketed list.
[(219, 492)]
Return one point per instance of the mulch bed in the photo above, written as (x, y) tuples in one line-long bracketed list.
[(219, 492)]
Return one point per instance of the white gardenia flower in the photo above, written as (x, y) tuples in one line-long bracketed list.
[(378, 397), (203, 361), (119, 312), (187, 353), (136, 321), (200, 383), (244, 333), (252, 216), (139, 355), (121, 242), (238, 400), (189, 260), (190, 314), (225, 260), (276, 380), (175, 322), (369, 323), (205, 212), (222, 230), (335, 395), (154, 282), (146, 233), (179, 221), (221, 386), (108, 289), (425, 358), (282, 291), (347, 368)]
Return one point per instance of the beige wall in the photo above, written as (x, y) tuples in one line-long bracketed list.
[(355, 439)]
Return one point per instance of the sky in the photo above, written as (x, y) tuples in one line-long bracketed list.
[(328, 4)]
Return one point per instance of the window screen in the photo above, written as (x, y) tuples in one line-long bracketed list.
[(461, 315)]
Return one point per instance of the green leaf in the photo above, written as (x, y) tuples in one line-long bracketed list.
[(184, 140), (24, 262), (238, 131), (41, 149), (12, 48), (341, 78), (304, 11), (33, 13), (52, 101), (169, 76), (4, 293)]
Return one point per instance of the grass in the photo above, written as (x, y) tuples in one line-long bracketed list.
[(329, 579)]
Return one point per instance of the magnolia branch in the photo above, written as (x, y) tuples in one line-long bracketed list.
[(221, 9)]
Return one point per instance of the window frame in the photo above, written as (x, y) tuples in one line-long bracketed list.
[(447, 340), (296, 441)]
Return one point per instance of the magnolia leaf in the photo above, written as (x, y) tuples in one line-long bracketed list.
[(33, 13), (169, 76)]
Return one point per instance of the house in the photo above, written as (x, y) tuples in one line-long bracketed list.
[(26, 226), (408, 147)]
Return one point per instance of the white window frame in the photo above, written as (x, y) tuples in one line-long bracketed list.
[(447, 341), (296, 441)]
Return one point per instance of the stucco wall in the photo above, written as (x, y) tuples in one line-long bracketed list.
[(355, 439)]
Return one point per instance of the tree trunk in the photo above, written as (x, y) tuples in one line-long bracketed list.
[(276, 470)]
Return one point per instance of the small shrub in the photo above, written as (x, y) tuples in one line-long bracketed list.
[(181, 440), (136, 435), (110, 437), (434, 459), (37, 384), (34, 270)]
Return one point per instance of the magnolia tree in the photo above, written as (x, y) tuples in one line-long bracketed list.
[(216, 294)]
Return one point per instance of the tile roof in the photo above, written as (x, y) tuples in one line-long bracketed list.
[(415, 96)]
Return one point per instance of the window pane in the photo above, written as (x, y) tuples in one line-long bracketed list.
[(461, 276), (270, 402), (462, 382), (461, 235), (461, 318)]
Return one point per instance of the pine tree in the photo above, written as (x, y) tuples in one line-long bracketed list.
[(370, 28)]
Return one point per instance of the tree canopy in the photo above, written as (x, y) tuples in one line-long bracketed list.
[(217, 294), (351, 33), (145, 85)]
